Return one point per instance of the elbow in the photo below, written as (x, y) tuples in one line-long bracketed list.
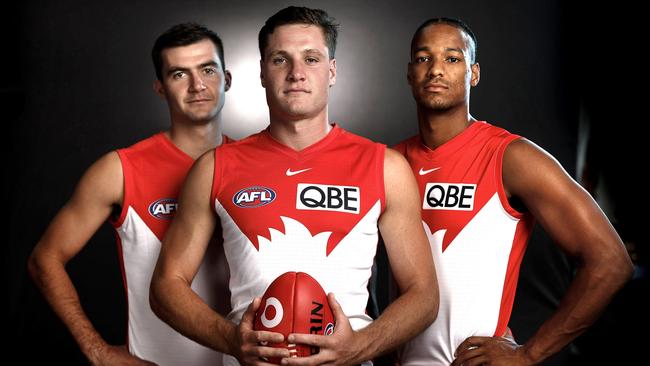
[(620, 266), (154, 297), (435, 305), (626, 268), (430, 299), (615, 268), (36, 266)]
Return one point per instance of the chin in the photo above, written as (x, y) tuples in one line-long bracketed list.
[(202, 118), (435, 104)]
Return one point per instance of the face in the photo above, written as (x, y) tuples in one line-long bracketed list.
[(296, 72), (193, 82), (440, 73)]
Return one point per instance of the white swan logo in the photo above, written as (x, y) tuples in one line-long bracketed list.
[(279, 312)]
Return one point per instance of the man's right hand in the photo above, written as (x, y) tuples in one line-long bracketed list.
[(117, 355), (249, 350)]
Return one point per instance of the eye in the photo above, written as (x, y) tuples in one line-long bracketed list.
[(278, 60), (453, 59), (178, 75), (311, 60), (210, 71), (421, 59)]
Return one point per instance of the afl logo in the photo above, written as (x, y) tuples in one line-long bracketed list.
[(253, 197), (164, 208), (273, 309)]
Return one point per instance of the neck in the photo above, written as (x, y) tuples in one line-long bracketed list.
[(195, 139), (301, 133), (438, 127)]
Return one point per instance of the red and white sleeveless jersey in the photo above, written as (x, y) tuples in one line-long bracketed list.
[(312, 211), (477, 239), (154, 170)]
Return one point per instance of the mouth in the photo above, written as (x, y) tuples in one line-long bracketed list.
[(296, 91), (193, 101), (435, 87)]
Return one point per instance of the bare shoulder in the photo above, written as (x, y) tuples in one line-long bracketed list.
[(399, 182), (394, 162), (521, 151), (530, 170), (206, 160), (198, 184), (103, 180), (203, 166)]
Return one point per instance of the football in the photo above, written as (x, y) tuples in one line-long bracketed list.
[(295, 303)]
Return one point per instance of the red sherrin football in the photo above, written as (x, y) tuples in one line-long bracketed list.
[(295, 303)]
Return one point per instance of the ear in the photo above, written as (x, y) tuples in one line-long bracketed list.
[(476, 74), (159, 89), (262, 74), (332, 72), (228, 78)]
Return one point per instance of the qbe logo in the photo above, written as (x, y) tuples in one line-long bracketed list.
[(449, 196), (253, 197), (163, 209), (328, 198)]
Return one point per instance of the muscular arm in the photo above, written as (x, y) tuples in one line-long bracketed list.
[(183, 248), (97, 192), (411, 262), (412, 265), (576, 223)]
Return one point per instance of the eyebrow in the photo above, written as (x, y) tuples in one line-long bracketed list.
[(448, 49), (174, 69), (310, 51), (455, 50), (313, 51)]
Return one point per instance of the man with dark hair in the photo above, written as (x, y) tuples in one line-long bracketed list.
[(481, 190), (136, 188), (308, 196)]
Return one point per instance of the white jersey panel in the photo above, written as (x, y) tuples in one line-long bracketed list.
[(149, 337), (471, 274), (345, 272)]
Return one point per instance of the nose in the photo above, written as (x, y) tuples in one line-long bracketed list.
[(297, 72), (196, 83), (436, 69)]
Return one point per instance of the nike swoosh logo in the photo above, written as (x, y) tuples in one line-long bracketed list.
[(292, 173), (424, 172)]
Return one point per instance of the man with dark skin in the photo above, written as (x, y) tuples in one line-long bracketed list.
[(505, 183)]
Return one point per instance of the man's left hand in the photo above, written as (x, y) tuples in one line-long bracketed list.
[(493, 351), (340, 348)]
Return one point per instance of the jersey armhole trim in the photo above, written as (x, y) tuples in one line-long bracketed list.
[(499, 177), (381, 184), (216, 180), (127, 187)]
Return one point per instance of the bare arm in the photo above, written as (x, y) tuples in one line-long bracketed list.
[(182, 251), (183, 248), (575, 223), (97, 192), (412, 265), (410, 259)]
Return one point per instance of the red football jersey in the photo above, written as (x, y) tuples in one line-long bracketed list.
[(154, 170), (477, 238), (312, 211)]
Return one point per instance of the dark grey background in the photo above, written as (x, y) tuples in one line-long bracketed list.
[(78, 83)]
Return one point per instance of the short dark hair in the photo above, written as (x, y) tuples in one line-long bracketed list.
[(454, 23), (182, 35), (301, 15)]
